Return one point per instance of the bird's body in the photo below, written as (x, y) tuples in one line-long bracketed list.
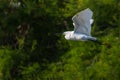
[(70, 35), (82, 27)]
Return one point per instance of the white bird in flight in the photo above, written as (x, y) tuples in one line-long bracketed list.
[(82, 27)]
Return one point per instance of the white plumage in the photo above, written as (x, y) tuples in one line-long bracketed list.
[(82, 26)]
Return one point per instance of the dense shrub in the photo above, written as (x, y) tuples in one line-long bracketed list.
[(32, 46)]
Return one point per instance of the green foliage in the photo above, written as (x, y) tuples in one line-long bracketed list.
[(32, 46)]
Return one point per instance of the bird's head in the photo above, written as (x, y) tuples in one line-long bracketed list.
[(67, 34)]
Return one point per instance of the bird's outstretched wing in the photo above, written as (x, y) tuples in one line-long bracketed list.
[(91, 21), (82, 22)]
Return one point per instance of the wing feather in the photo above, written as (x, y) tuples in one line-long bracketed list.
[(82, 23)]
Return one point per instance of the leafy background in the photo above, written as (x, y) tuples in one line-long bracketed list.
[(32, 46)]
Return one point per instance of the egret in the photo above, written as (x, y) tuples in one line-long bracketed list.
[(82, 22)]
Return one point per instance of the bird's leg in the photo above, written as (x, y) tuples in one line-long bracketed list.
[(95, 40), (92, 38)]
